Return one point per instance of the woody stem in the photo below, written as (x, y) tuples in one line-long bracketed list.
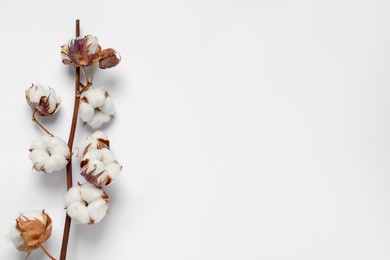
[(69, 181), (47, 253), (39, 124)]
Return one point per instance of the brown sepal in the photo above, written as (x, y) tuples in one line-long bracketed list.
[(109, 58), (91, 177), (33, 232)]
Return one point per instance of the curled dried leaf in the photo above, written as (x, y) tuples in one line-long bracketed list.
[(109, 58)]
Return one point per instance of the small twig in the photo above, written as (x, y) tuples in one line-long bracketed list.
[(39, 124), (88, 82), (85, 75), (47, 253), (84, 88)]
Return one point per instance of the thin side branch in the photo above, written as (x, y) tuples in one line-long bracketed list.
[(84, 88), (47, 253), (39, 124), (85, 75), (88, 82)]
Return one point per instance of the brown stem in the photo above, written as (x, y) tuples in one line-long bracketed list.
[(69, 182), (85, 75), (47, 253), (39, 124), (88, 82)]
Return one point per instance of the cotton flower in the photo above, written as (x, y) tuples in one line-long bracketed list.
[(81, 51), (86, 204), (31, 230), (109, 58), (99, 167), (43, 99), (98, 140), (96, 107), (49, 154)]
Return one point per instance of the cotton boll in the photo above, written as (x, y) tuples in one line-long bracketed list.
[(113, 169), (96, 107), (55, 162), (86, 112), (99, 167), (95, 97), (57, 146), (49, 154), (108, 107), (36, 92), (99, 119), (73, 194), (43, 99), (95, 154), (86, 204), (81, 51), (93, 45), (98, 135), (38, 144), (39, 156), (79, 213), (89, 193), (97, 210), (97, 140), (31, 230), (106, 156)]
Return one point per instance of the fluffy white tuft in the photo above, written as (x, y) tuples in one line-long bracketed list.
[(93, 44), (78, 211), (97, 140), (49, 154), (86, 204), (96, 107)]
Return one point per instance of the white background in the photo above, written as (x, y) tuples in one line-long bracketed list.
[(247, 129)]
